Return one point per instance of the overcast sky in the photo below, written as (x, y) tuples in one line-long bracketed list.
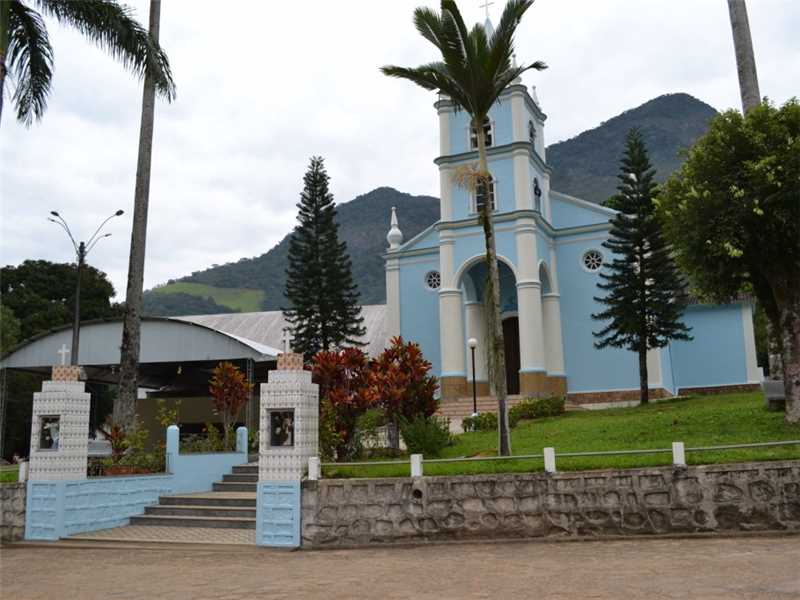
[(263, 85)]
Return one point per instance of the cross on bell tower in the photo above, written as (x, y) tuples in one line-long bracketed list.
[(486, 5)]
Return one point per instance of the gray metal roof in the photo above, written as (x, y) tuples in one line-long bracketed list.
[(162, 340), (267, 327)]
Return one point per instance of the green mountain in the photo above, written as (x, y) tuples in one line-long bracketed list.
[(584, 166), (363, 223)]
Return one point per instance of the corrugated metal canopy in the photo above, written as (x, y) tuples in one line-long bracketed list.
[(163, 340), (267, 327)]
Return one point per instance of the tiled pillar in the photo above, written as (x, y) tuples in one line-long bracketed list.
[(288, 437)]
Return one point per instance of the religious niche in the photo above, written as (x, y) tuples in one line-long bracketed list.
[(49, 432), (281, 428)]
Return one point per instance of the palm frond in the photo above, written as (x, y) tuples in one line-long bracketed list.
[(429, 25), (502, 42), (30, 61), (112, 27)]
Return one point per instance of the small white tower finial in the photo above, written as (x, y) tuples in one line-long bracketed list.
[(518, 78), (395, 236)]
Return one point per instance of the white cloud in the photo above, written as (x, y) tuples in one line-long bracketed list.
[(263, 86)]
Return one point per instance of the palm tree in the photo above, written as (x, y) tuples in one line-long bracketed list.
[(745, 59), (26, 45), (125, 402), (476, 67)]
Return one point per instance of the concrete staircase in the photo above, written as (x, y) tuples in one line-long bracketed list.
[(230, 505), (462, 407)]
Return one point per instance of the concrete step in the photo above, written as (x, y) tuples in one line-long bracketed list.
[(194, 510), (186, 521), (218, 499), (241, 478), (234, 486), (250, 469)]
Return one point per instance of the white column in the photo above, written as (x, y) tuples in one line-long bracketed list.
[(392, 298), (476, 328), (444, 132), (529, 298), (654, 379), (551, 314), (546, 207), (753, 373), (554, 349), (451, 326), (523, 182), (446, 193), (519, 125)]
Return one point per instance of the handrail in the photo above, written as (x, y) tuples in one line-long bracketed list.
[(678, 451)]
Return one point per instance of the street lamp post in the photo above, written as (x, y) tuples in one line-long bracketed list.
[(81, 250), (473, 343)]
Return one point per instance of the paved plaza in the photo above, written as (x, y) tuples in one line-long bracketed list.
[(705, 569)]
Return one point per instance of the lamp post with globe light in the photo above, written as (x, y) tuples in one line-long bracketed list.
[(473, 343), (81, 250)]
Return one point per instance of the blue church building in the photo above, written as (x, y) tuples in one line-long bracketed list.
[(549, 247)]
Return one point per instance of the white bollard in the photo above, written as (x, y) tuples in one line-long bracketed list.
[(678, 454), (416, 465), (22, 476), (550, 460), (314, 468)]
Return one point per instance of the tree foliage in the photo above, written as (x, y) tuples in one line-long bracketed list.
[(107, 23), (41, 295), (732, 215), (325, 311), (402, 380), (645, 296), (344, 388), (229, 391)]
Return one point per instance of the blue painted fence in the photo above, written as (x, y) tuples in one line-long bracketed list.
[(57, 509)]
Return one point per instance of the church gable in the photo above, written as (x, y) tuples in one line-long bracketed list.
[(426, 239), (568, 211)]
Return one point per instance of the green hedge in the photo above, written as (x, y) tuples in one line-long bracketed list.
[(536, 408)]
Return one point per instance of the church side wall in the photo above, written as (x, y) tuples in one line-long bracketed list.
[(419, 306), (588, 370), (717, 356)]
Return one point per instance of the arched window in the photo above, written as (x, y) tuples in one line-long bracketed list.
[(484, 193), (531, 132), (487, 132), (537, 195)]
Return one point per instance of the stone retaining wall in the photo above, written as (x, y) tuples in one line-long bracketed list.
[(12, 511), (720, 498)]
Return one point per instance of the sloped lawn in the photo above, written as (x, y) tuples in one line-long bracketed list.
[(697, 421)]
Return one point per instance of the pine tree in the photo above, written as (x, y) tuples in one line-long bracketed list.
[(646, 295), (325, 312)]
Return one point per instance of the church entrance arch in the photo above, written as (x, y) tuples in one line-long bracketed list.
[(472, 281)]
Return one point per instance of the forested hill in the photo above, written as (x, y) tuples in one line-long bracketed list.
[(586, 166), (363, 224)]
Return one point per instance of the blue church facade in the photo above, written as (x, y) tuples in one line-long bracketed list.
[(549, 247)]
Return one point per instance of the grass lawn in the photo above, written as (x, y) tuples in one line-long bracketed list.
[(242, 299), (696, 421), (9, 474)]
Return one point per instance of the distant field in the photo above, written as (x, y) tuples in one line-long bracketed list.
[(242, 299)]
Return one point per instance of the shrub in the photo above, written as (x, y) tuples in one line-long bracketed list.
[(229, 391), (536, 408), (426, 435), (343, 379), (481, 422), (367, 426), (402, 381)]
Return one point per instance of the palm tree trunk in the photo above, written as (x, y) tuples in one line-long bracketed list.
[(494, 326), (745, 59), (125, 404)]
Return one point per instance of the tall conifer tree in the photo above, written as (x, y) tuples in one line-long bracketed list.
[(325, 312), (645, 296)]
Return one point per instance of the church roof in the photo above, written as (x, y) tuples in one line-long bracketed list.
[(267, 327)]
